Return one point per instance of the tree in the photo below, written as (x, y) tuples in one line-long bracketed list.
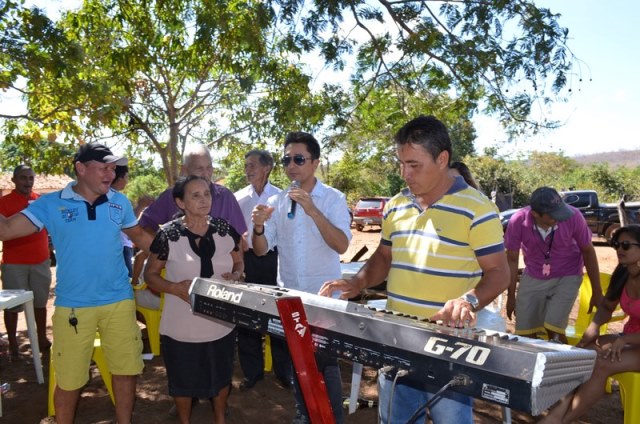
[(501, 52), (145, 185), (159, 73), (32, 147), (369, 152)]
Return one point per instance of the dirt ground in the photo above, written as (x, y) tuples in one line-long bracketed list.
[(266, 403)]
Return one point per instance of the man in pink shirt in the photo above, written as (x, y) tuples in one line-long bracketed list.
[(556, 244)]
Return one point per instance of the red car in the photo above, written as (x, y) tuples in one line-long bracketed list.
[(368, 211)]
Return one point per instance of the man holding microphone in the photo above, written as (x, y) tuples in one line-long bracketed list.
[(310, 235)]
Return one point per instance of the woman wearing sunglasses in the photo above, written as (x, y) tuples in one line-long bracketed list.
[(616, 352)]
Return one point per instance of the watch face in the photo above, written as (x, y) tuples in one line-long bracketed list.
[(472, 300)]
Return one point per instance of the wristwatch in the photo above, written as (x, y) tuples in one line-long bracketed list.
[(471, 300)]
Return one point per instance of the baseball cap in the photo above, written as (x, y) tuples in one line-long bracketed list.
[(99, 153), (547, 200)]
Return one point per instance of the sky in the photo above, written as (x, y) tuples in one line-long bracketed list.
[(601, 112)]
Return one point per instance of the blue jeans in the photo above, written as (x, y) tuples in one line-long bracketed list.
[(451, 407), (331, 372)]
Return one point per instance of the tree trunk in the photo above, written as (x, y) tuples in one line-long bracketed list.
[(622, 213)]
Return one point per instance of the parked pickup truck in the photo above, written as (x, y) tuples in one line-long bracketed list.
[(602, 218)]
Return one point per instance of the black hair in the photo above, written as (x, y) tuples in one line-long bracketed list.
[(178, 190), (19, 168), (304, 138), (121, 171), (179, 187), (428, 132), (465, 173), (621, 273)]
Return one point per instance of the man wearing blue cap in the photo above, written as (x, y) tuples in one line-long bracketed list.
[(556, 244), (92, 283)]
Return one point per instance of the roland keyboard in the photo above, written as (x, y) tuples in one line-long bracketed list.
[(520, 373)]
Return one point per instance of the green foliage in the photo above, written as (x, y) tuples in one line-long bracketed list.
[(234, 179), (454, 47), (394, 184), (354, 179), (154, 75), (36, 149), (614, 184), (145, 185), (158, 74), (368, 166), (520, 178), (515, 178)]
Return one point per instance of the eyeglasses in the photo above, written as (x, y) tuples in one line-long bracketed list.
[(626, 245), (297, 159)]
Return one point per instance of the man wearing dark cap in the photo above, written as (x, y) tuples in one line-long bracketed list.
[(92, 283), (556, 244)]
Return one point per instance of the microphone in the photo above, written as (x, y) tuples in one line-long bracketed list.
[(291, 212)]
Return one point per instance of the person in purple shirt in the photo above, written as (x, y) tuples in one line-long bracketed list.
[(556, 243), (196, 161)]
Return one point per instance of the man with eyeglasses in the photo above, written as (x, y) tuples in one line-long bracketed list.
[(310, 238), (556, 244)]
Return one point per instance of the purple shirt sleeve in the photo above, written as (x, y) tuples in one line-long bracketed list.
[(159, 212), (512, 237), (223, 205)]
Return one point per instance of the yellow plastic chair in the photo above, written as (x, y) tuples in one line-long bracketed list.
[(101, 364), (152, 322), (268, 363), (583, 319), (629, 383)]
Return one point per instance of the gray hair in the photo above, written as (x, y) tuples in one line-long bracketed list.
[(195, 150), (264, 157)]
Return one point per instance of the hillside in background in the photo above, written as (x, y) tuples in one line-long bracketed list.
[(628, 158)]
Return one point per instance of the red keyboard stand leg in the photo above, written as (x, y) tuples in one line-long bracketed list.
[(298, 335)]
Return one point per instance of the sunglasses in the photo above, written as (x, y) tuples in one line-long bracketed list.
[(626, 245), (297, 159)]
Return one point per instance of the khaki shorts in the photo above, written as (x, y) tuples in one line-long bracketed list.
[(31, 277), (120, 339), (545, 304)]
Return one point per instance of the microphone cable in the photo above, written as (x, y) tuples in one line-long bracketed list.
[(400, 373), (458, 380)]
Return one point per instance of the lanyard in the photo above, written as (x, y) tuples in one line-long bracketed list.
[(547, 254)]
